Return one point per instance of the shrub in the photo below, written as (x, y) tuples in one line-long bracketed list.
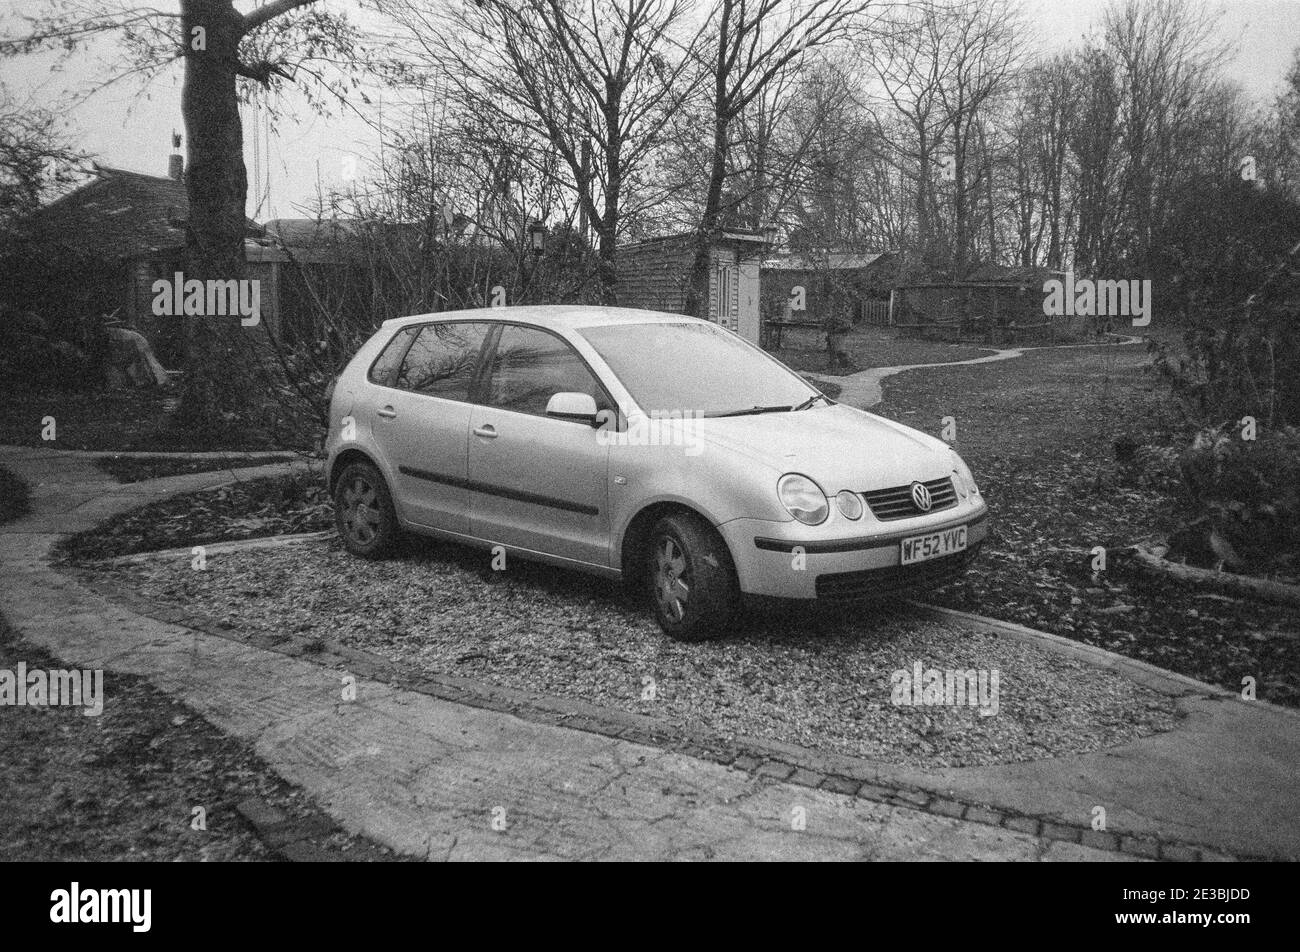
[(1249, 489), (1231, 256)]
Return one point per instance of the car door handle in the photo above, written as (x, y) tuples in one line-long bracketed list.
[(388, 413), (486, 430)]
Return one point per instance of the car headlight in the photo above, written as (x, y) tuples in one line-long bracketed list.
[(803, 499), (965, 479), (850, 504)]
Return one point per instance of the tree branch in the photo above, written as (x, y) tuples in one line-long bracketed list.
[(256, 18)]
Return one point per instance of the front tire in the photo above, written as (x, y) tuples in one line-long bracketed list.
[(363, 512), (692, 583)]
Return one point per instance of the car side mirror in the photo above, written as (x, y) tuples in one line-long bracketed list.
[(579, 407)]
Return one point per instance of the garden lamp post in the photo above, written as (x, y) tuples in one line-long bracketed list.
[(536, 234), (537, 238)]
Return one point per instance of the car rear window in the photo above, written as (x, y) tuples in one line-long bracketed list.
[(442, 360), (384, 369)]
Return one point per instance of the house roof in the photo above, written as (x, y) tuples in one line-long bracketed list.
[(328, 240), (308, 232), (833, 261), (119, 214), (989, 276), (739, 237)]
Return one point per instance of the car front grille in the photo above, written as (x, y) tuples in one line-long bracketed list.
[(871, 583), (896, 502)]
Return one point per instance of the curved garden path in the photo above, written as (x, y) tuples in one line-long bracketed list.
[(863, 389)]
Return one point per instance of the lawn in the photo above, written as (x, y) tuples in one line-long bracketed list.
[(867, 347), (1039, 431)]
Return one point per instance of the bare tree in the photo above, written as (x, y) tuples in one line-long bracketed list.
[(36, 158), (1286, 134), (752, 43), (1041, 163), (980, 53), (906, 64), (941, 67), (594, 83), (1165, 57)]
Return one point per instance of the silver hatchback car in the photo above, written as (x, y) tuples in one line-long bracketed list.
[(657, 448)]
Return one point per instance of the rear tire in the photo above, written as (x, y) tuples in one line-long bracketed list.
[(363, 512), (691, 581)]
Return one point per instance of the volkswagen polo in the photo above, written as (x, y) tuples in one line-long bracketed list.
[(660, 449)]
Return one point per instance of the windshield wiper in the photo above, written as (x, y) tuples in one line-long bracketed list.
[(813, 399), (753, 411)]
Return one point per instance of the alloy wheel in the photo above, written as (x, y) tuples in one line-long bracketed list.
[(672, 578)]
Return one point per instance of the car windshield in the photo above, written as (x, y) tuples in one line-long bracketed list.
[(695, 368)]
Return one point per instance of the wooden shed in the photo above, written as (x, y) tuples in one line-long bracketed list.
[(654, 274)]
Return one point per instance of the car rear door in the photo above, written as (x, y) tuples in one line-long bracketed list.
[(538, 482), (422, 422)]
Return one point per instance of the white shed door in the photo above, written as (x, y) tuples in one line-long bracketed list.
[(747, 310)]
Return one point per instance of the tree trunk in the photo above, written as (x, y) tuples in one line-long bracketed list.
[(961, 210), (1240, 585), (607, 266), (924, 238), (697, 294), (217, 360)]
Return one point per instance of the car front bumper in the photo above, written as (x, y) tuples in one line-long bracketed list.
[(841, 566)]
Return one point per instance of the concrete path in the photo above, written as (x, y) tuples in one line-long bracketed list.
[(444, 780), (863, 389)]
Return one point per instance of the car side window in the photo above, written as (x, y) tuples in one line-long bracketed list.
[(531, 366), (384, 369), (441, 362)]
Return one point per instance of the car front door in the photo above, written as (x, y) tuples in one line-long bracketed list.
[(538, 482), (422, 423)]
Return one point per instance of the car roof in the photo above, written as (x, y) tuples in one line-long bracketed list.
[(553, 316)]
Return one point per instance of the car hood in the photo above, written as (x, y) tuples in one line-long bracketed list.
[(839, 446)]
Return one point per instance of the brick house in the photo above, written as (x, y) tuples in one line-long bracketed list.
[(104, 244)]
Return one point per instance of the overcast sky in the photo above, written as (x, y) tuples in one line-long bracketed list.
[(129, 126)]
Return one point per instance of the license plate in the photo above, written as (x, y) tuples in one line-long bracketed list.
[(933, 546)]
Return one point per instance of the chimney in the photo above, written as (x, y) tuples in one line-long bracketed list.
[(176, 161)]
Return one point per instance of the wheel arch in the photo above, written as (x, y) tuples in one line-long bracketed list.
[(634, 548), (345, 459)]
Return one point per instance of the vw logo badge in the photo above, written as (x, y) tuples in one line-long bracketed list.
[(921, 497)]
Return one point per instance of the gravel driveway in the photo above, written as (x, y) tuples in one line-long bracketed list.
[(813, 678)]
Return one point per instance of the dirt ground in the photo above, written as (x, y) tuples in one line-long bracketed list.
[(125, 785)]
